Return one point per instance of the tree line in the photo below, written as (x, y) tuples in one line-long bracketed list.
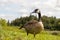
[(50, 23)]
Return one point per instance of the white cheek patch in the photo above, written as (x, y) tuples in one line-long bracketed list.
[(38, 11)]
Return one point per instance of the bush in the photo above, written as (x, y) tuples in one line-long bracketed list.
[(3, 22)]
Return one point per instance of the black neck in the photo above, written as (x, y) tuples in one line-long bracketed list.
[(39, 16)]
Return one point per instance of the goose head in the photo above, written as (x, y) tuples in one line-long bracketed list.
[(36, 11)]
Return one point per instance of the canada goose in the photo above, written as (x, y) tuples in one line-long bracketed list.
[(33, 26)]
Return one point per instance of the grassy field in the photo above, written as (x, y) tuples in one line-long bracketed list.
[(13, 33)]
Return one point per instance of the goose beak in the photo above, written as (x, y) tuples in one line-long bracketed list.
[(33, 12)]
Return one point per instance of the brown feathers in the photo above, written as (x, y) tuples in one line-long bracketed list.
[(33, 27)]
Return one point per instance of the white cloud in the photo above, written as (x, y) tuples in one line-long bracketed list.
[(24, 7), (23, 10), (2, 15), (7, 17), (24, 15), (58, 3), (8, 8)]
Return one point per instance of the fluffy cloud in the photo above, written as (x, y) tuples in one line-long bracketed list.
[(8, 17), (17, 8)]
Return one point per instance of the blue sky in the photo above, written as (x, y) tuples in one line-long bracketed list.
[(11, 9)]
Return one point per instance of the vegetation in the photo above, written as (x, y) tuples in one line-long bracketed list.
[(11, 31), (21, 21), (51, 23), (3, 22)]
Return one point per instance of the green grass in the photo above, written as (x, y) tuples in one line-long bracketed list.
[(13, 33)]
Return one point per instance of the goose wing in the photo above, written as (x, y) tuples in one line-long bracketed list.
[(33, 27)]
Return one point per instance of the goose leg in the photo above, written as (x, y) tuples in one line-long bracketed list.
[(34, 35), (27, 33)]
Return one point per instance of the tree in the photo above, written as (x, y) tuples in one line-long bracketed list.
[(8, 23), (57, 27), (3, 22), (21, 21), (50, 23)]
